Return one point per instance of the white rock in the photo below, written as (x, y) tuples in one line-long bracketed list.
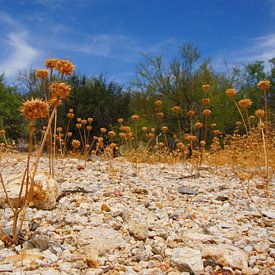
[(187, 260), (226, 255)]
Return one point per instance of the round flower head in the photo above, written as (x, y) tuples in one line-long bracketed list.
[(120, 120), (51, 63), (103, 130), (216, 132), (34, 109), (245, 103), (69, 134), (89, 127), (158, 103), (198, 125), (231, 92), (191, 113), (41, 73), (90, 119), (70, 115), (206, 88), (135, 117), (84, 121), (75, 143), (60, 90), (176, 109), (160, 115), (205, 101), (260, 113), (122, 135), (213, 125), (64, 67), (111, 134), (78, 125), (164, 129), (206, 112), (144, 129), (190, 138), (264, 85)]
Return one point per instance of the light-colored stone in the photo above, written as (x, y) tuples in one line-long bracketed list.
[(138, 230), (226, 255), (187, 260)]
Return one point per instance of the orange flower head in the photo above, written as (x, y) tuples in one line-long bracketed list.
[(245, 103), (34, 109), (264, 85), (231, 92), (158, 103), (41, 73), (51, 63), (135, 118), (176, 109), (64, 67), (206, 112), (260, 113), (191, 113), (205, 88)]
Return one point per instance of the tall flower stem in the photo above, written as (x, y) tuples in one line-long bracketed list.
[(239, 110)]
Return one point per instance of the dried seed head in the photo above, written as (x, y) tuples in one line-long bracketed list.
[(120, 120), (144, 129), (205, 101), (70, 115), (103, 130), (238, 123), (202, 143), (51, 63), (151, 135), (216, 132), (78, 119), (59, 90), (127, 129), (122, 135), (198, 125), (190, 138), (84, 121), (75, 143), (64, 67), (245, 103), (78, 125), (205, 88), (260, 113), (90, 119), (158, 103), (176, 109), (160, 115), (164, 129), (213, 125), (41, 73), (191, 113), (231, 92), (264, 85), (69, 134), (206, 112), (34, 109), (111, 134), (135, 117), (180, 145), (153, 130), (59, 129), (71, 110), (89, 127)]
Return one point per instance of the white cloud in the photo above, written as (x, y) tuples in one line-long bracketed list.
[(21, 54), (260, 48)]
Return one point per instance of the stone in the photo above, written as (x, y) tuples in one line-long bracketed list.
[(46, 192), (105, 207), (139, 190), (138, 230), (101, 239), (39, 241), (226, 255), (269, 213), (186, 190), (187, 260)]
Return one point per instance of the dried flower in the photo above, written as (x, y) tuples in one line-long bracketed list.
[(144, 129), (78, 125), (89, 127), (135, 117), (158, 103), (59, 129), (238, 123), (120, 120), (111, 134), (160, 115), (260, 113), (42, 73), (264, 85), (245, 103), (51, 63), (202, 143), (122, 135), (60, 90), (34, 109), (84, 121), (164, 129), (205, 101), (191, 113), (103, 130), (64, 67), (69, 134), (75, 143), (231, 92), (70, 115), (213, 125), (216, 132), (90, 119), (198, 125), (176, 109), (206, 112), (190, 138), (206, 88)]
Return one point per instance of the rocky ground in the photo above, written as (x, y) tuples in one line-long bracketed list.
[(162, 219)]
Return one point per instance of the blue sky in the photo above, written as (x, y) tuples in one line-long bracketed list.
[(108, 36)]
